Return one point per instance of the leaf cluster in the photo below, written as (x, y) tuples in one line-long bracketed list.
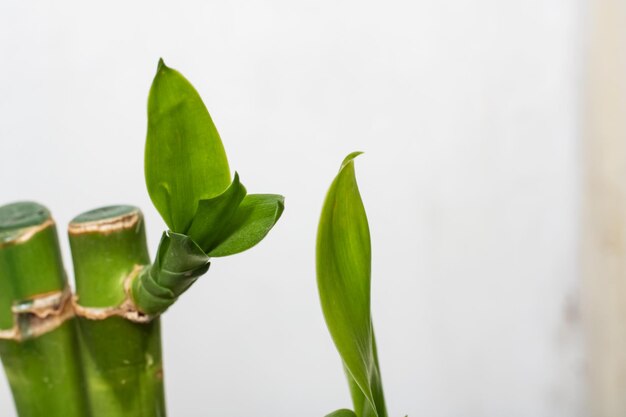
[(188, 176)]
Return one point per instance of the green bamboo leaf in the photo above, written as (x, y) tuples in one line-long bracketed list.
[(214, 214), (342, 413), (343, 278), (185, 161), (254, 218)]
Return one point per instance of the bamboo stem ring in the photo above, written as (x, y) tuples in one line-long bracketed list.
[(39, 315), (127, 309)]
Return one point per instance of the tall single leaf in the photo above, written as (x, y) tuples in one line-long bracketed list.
[(185, 161), (343, 279)]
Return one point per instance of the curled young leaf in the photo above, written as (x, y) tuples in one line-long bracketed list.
[(214, 214), (343, 277), (185, 161), (179, 263), (254, 218)]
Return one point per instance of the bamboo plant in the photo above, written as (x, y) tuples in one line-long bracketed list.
[(98, 353), (343, 264), (120, 295), (113, 368)]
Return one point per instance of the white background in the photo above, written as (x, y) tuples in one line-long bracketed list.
[(468, 114)]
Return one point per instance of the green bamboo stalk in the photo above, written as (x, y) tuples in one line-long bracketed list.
[(121, 349), (38, 343)]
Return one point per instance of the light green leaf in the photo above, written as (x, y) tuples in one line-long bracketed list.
[(214, 214), (343, 278), (185, 161), (254, 218), (342, 413)]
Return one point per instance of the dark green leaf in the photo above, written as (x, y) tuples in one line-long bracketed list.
[(185, 160), (343, 279), (254, 218), (214, 214)]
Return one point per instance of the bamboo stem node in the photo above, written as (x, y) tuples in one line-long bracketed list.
[(127, 309), (39, 315)]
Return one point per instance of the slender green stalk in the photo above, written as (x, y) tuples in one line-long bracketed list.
[(38, 343), (121, 351)]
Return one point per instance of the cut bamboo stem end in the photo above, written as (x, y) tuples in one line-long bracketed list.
[(116, 219), (121, 358), (112, 238), (39, 347)]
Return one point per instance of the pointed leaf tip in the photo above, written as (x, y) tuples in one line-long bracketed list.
[(350, 158)]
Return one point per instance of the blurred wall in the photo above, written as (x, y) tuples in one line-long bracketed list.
[(604, 233), (469, 116)]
